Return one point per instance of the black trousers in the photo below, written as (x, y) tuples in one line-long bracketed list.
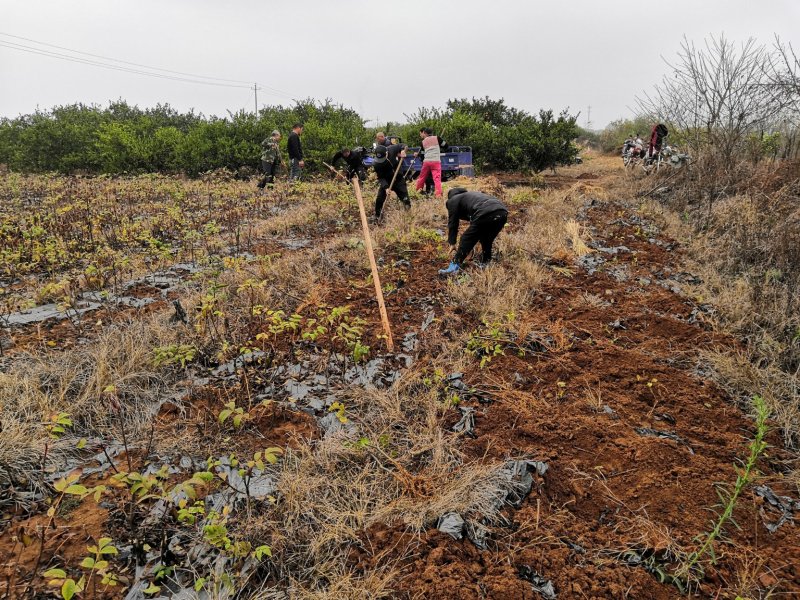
[(399, 187), (429, 185), (269, 169), (483, 230), (360, 173)]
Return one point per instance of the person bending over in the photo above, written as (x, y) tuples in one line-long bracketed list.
[(353, 160), (486, 216)]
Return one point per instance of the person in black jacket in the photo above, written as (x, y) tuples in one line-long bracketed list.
[(486, 215), (295, 148), (385, 164), (354, 160)]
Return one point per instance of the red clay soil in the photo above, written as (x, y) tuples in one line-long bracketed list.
[(627, 360), (622, 356)]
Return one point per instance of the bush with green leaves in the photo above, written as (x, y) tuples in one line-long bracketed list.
[(502, 138), (122, 138)]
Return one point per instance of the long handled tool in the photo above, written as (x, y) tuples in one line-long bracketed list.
[(396, 171), (373, 265), (335, 171)]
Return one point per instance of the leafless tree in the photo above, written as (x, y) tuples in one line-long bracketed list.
[(785, 72), (784, 75), (717, 94)]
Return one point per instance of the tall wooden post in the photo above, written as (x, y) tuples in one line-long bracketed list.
[(373, 265)]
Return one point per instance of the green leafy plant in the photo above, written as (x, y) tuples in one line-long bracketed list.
[(235, 414), (174, 354), (143, 487), (745, 473), (486, 345), (95, 565), (346, 332), (339, 409), (313, 330), (57, 424)]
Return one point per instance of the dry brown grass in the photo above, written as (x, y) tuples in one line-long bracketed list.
[(577, 233), (546, 226), (374, 584), (407, 472), (640, 532), (501, 289), (743, 242), (35, 387), (742, 378), (750, 573)]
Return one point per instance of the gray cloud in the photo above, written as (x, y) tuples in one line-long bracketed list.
[(383, 59)]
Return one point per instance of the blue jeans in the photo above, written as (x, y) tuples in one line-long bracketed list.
[(294, 169)]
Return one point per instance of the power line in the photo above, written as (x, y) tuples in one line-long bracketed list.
[(51, 54), (175, 75), (193, 75)]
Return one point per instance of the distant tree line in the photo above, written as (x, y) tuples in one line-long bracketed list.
[(121, 138), (501, 137)]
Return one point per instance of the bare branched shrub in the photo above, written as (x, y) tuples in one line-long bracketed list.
[(785, 76), (716, 94), (730, 104)]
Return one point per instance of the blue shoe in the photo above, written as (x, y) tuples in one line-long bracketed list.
[(451, 268)]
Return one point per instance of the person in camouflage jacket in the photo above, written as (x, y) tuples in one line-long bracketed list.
[(270, 158)]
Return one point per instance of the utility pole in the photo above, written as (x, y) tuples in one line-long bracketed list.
[(255, 92), (589, 117)]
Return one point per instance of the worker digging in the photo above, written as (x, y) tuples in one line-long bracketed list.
[(387, 163), (354, 161), (486, 216)]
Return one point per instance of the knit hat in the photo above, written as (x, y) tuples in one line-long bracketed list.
[(275, 132)]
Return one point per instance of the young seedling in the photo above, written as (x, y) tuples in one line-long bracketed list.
[(67, 486), (235, 414), (95, 564), (745, 473)]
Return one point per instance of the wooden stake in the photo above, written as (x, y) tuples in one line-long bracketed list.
[(373, 265)]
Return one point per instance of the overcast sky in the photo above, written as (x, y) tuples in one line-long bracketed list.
[(383, 59)]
